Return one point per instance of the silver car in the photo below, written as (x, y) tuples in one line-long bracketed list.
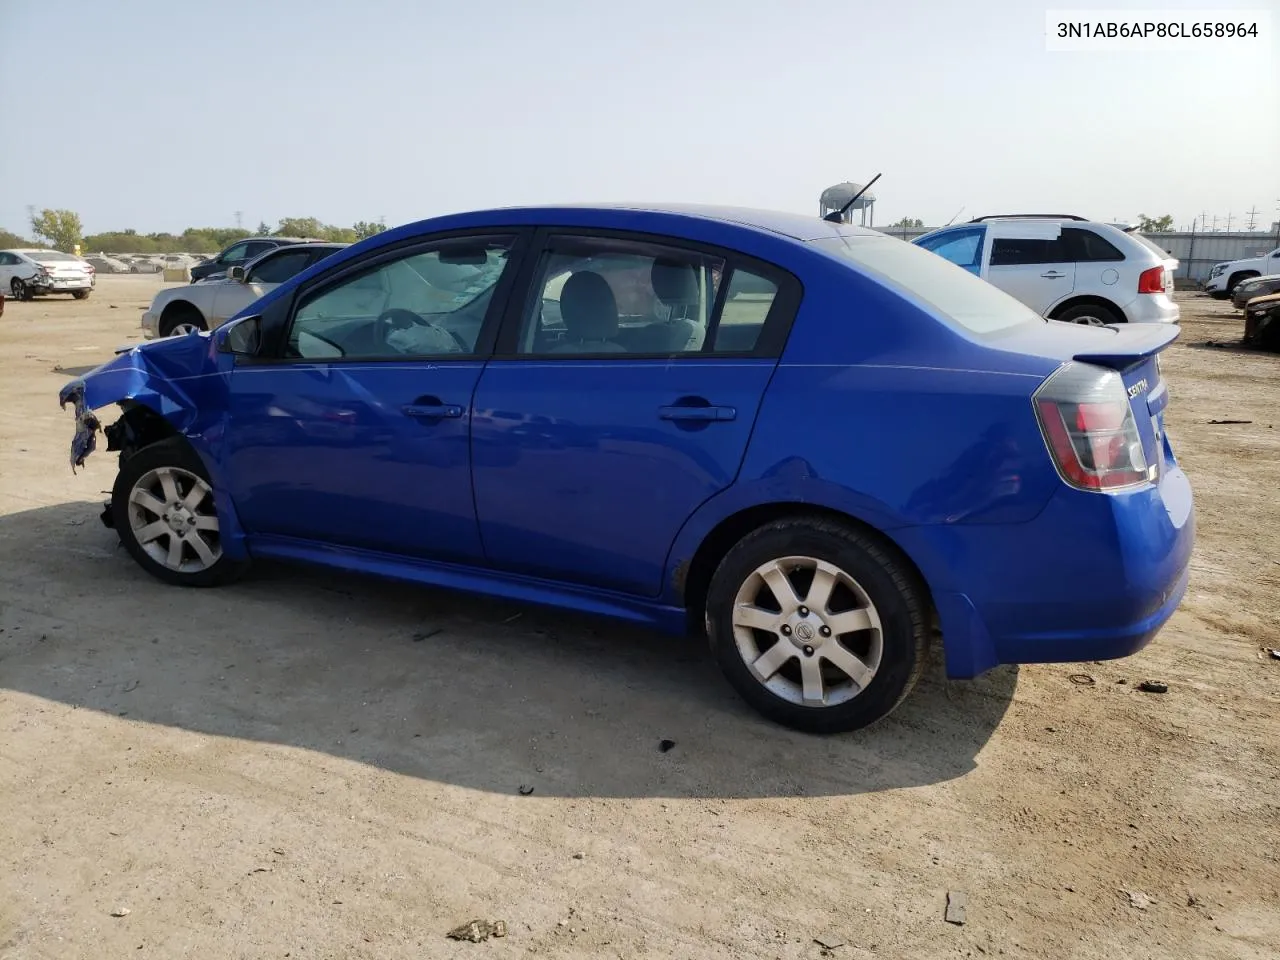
[(1065, 267)]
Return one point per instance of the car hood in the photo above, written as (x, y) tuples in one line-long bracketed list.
[(166, 375)]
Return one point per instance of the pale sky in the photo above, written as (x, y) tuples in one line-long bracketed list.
[(163, 115)]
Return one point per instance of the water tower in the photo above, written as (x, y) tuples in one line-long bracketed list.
[(833, 198)]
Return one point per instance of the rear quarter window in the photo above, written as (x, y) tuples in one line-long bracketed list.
[(951, 291)]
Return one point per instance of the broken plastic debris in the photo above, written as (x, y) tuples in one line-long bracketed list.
[(121, 912), (477, 931), (957, 901), (1139, 899), (829, 941), (85, 440)]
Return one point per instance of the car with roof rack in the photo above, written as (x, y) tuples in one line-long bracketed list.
[(1064, 266)]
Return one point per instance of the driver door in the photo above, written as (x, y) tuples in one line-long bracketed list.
[(354, 430)]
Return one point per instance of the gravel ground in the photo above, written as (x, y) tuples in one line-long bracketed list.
[(312, 765)]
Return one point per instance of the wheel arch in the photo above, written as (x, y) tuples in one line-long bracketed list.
[(691, 579), (1086, 300), (179, 307), (1239, 276)]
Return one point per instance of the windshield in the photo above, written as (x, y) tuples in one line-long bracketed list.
[(950, 290), (47, 256)]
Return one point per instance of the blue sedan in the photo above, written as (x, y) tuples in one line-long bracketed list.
[(822, 446)]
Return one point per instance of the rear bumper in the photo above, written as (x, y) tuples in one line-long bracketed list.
[(1093, 577), (62, 285), (1152, 308)]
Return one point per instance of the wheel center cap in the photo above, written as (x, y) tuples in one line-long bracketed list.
[(805, 631)]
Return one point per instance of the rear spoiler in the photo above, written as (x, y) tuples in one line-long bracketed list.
[(1133, 344)]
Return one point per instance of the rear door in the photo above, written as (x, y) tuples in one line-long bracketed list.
[(1030, 261), (622, 397)]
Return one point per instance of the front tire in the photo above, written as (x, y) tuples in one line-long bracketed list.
[(817, 626), (163, 508), (181, 321)]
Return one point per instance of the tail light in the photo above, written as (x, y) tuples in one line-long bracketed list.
[(1151, 281), (1090, 429), (90, 268)]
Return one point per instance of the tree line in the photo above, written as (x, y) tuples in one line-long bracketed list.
[(62, 230)]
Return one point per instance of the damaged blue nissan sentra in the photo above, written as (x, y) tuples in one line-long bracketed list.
[(818, 444)]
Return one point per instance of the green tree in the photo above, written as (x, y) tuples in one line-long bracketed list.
[(908, 223), (263, 229), (60, 227), (10, 240), (365, 229), (1155, 224)]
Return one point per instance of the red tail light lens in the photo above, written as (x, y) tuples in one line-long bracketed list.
[(1090, 429), (1151, 281)]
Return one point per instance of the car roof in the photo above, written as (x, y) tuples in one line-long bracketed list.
[(795, 226)]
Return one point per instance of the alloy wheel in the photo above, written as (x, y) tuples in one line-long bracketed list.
[(807, 631), (172, 516)]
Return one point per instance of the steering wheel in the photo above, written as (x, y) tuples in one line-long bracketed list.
[(398, 318)]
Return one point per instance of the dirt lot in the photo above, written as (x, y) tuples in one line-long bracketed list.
[(309, 765)]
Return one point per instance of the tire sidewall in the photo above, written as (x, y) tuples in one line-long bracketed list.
[(896, 598), (1105, 314), (174, 452)]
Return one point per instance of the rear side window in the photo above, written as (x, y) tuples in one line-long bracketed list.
[(952, 291), (1018, 251), (1087, 247)]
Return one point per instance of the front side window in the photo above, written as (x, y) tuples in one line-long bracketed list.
[(428, 303), (232, 254), (608, 296), (962, 247), (279, 268)]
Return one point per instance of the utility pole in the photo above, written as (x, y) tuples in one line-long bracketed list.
[(239, 219), (1230, 217), (1253, 217), (1215, 223)]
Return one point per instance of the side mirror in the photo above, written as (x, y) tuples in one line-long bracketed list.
[(241, 338), (236, 273)]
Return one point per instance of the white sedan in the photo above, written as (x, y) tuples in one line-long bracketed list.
[(183, 309), (29, 273)]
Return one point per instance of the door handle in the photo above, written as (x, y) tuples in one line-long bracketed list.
[(1053, 275), (431, 411), (703, 414)]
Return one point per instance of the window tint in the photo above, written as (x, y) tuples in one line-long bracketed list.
[(955, 293), (259, 247), (428, 303), (961, 247), (280, 267), (1088, 247), (1008, 251), (606, 296), (237, 252)]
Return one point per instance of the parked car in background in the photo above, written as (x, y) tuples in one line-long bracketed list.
[(1065, 267), (145, 265), (810, 439), (238, 254), (205, 306), (102, 263), (1224, 276), (1246, 290), (31, 273)]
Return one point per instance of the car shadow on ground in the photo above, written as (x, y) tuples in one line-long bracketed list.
[(444, 686)]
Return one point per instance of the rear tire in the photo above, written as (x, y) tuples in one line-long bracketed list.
[(20, 289), (162, 507), (838, 665), (80, 294), (180, 321), (1090, 314)]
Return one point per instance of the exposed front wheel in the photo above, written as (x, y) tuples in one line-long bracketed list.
[(162, 507), (816, 625), (181, 321)]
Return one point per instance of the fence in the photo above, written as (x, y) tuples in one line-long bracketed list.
[(1196, 252)]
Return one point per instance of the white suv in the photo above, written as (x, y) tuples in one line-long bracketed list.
[(1224, 277), (1065, 267)]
